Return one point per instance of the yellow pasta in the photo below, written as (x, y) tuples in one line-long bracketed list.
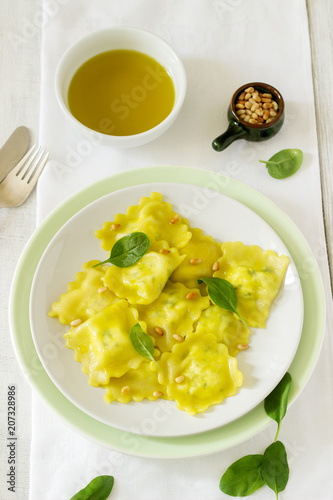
[(199, 373), (135, 385), (195, 341), (257, 276), (85, 296), (143, 282), (225, 326), (172, 314), (102, 343), (201, 253), (152, 216)]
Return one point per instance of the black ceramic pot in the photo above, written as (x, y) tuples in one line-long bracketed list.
[(239, 129)]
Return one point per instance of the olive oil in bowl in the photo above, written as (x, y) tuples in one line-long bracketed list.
[(121, 93)]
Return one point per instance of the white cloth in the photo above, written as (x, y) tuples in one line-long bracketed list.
[(223, 44)]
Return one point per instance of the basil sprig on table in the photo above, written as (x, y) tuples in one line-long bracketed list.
[(284, 163), (223, 294), (142, 343), (98, 489), (251, 472), (128, 250)]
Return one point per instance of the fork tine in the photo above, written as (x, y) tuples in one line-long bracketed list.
[(38, 168), (17, 170)]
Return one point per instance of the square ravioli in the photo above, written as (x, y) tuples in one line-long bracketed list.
[(257, 276), (102, 343), (143, 282), (199, 373), (152, 216), (201, 252), (135, 385), (85, 296), (172, 313), (225, 326)]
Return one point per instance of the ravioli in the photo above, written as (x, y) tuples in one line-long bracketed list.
[(199, 373), (143, 282), (152, 216), (201, 252), (85, 296), (225, 326), (102, 343), (257, 276), (135, 385), (195, 341), (172, 314)]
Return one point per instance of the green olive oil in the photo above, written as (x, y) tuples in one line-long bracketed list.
[(121, 92)]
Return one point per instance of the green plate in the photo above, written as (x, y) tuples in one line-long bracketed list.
[(179, 447)]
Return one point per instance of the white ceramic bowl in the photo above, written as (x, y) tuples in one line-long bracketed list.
[(115, 39)]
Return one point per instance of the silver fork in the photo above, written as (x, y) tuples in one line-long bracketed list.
[(19, 183)]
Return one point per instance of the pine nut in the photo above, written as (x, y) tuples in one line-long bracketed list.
[(191, 295), (216, 266), (102, 289), (76, 322), (180, 379), (126, 389), (195, 261), (175, 219), (158, 330), (253, 104), (243, 347), (158, 394), (114, 227), (177, 337), (164, 251)]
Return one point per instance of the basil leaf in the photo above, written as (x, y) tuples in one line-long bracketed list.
[(277, 401), (275, 469), (142, 343), (284, 163), (128, 250), (223, 294), (243, 477), (98, 489)]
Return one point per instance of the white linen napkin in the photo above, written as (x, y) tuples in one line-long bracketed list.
[(223, 44)]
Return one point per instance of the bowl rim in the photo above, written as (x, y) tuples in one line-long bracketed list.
[(145, 136)]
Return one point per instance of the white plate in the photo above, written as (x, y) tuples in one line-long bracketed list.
[(263, 365)]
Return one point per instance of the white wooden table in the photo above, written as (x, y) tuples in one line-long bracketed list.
[(20, 39)]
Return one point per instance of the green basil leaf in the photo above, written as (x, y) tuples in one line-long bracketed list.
[(243, 477), (128, 250), (142, 343), (98, 489), (284, 163), (223, 294), (277, 401), (275, 469)]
